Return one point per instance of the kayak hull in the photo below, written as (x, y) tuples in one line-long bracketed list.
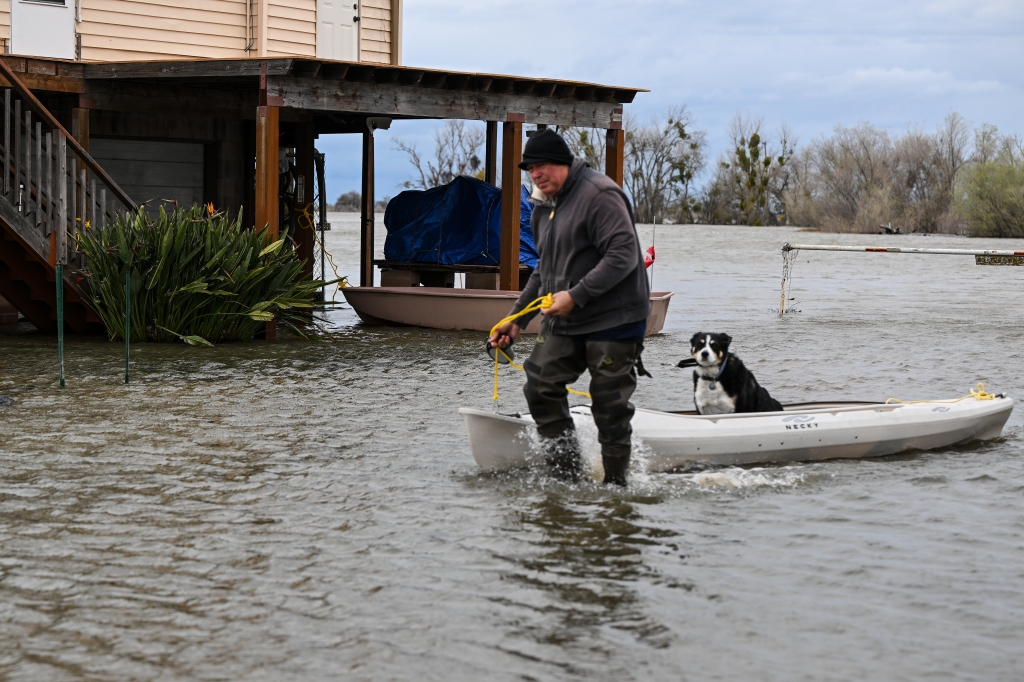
[(806, 432)]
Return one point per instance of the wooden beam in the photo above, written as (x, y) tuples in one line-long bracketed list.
[(49, 83), (394, 100), (491, 154), (614, 163), (307, 68), (267, 131), (511, 183), (198, 68), (366, 214)]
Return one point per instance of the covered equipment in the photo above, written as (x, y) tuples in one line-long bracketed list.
[(454, 224)]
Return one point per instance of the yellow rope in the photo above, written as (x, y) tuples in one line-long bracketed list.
[(545, 301), (307, 214), (978, 393)]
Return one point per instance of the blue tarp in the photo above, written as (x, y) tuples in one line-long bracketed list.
[(454, 224)]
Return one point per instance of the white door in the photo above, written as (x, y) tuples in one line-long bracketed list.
[(43, 28), (337, 30)]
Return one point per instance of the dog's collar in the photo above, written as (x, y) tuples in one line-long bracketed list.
[(720, 370)]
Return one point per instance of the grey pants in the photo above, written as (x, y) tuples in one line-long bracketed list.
[(560, 360)]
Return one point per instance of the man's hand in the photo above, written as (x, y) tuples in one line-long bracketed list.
[(562, 306), (504, 335)]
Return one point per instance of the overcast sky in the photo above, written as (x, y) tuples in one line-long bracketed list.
[(810, 64)]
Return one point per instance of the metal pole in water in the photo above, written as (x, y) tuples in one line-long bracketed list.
[(892, 249), (60, 322), (127, 321)]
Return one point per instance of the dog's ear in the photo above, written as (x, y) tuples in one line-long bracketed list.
[(726, 340), (696, 338)]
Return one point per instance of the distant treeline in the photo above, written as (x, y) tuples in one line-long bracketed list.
[(956, 180), (351, 202)]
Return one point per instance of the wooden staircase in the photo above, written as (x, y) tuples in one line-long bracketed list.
[(47, 193)]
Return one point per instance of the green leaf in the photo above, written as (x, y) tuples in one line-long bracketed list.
[(273, 248), (194, 287), (196, 341)]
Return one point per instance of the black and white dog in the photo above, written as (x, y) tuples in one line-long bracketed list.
[(721, 384)]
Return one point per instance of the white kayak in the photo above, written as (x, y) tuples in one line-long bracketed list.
[(803, 432)]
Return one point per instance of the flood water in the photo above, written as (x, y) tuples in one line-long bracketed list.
[(311, 511)]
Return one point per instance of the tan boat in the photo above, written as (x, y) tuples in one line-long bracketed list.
[(443, 308)]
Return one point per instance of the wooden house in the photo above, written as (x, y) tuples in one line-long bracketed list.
[(137, 30), (126, 101)]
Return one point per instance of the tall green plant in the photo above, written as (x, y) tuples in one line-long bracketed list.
[(195, 276)]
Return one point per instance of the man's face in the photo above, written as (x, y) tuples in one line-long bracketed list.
[(549, 177)]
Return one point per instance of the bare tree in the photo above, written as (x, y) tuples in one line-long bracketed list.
[(860, 178), (663, 160), (589, 144), (456, 152), (953, 142)]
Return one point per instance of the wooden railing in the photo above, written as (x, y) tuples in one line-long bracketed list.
[(48, 177)]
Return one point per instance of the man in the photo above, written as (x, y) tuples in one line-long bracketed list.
[(591, 261)]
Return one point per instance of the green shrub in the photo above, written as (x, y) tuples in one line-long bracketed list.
[(195, 276), (991, 199)]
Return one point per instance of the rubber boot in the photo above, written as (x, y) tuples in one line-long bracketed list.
[(616, 463), (563, 457)]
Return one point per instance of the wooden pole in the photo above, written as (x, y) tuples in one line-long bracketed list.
[(267, 122), (511, 183), (366, 214), (267, 203), (615, 147), (491, 154)]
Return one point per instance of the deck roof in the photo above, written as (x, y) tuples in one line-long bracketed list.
[(342, 90)]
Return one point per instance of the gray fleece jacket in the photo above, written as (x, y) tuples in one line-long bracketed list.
[(588, 246)]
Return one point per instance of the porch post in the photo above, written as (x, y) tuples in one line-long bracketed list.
[(366, 214), (615, 147), (491, 154), (267, 119), (511, 183), (267, 203)]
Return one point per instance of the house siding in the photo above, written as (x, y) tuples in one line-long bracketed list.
[(5, 22), (291, 28), (375, 31), (149, 29), (115, 30)]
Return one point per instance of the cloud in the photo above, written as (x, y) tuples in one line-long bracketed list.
[(807, 63)]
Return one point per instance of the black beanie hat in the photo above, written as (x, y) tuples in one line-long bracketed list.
[(546, 146)]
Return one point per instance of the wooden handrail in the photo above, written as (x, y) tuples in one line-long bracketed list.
[(37, 106)]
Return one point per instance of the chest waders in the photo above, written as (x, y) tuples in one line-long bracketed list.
[(560, 360)]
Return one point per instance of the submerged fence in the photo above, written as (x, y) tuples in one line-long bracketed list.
[(981, 257)]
